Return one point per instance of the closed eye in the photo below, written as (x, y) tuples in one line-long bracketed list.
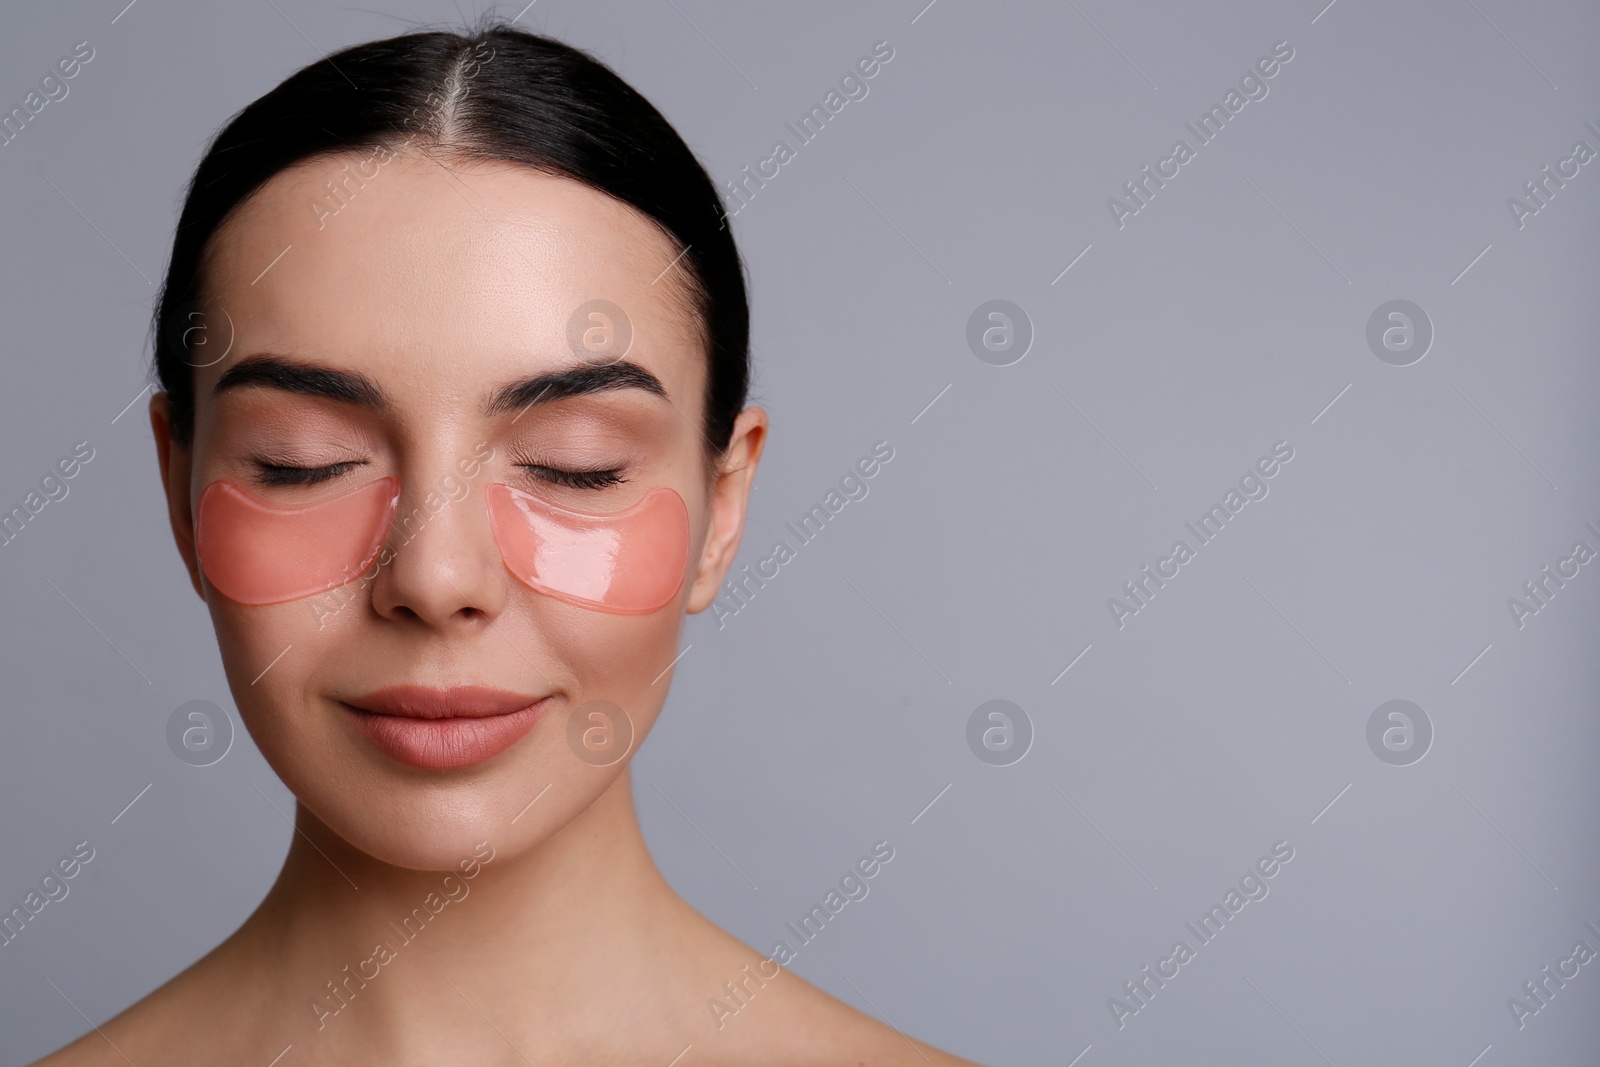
[(595, 479), (277, 474)]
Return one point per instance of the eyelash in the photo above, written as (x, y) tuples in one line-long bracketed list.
[(598, 479), (277, 474), (284, 475)]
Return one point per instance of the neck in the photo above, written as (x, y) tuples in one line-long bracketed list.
[(386, 959)]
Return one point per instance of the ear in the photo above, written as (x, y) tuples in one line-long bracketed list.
[(730, 499), (173, 456)]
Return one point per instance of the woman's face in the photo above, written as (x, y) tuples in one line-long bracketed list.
[(400, 331)]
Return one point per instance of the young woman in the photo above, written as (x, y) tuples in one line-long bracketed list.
[(453, 358)]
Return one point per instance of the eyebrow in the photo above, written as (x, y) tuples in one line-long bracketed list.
[(346, 387), (574, 381), (351, 387)]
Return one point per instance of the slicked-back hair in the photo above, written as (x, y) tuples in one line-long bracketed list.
[(496, 94)]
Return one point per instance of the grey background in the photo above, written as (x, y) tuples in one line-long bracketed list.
[(832, 709)]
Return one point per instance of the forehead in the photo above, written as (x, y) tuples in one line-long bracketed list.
[(446, 275)]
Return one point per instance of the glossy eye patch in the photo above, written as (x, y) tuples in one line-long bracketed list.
[(258, 553), (630, 562)]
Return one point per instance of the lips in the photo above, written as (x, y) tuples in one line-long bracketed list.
[(443, 728)]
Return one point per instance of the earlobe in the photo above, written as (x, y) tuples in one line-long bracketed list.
[(174, 460), (730, 499)]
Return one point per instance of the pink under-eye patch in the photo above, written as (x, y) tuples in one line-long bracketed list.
[(630, 562), (256, 553)]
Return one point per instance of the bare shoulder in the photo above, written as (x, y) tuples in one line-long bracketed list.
[(790, 1021), (112, 1041), (152, 1028), (839, 1034)]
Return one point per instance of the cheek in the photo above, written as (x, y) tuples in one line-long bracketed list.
[(615, 680), (266, 647), (253, 553), (273, 657), (631, 562), (608, 653)]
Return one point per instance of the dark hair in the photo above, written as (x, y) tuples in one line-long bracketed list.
[(496, 94)]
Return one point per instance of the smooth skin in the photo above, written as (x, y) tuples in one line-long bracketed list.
[(438, 283)]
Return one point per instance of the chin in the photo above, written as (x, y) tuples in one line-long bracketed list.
[(380, 802), (431, 842)]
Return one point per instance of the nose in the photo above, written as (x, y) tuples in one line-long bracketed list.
[(444, 568)]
